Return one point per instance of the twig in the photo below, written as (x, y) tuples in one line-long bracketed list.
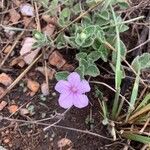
[(102, 83), (142, 44), (37, 18), (148, 47), (46, 128), (145, 125), (143, 37), (14, 28), (57, 126), (20, 77), (12, 48)]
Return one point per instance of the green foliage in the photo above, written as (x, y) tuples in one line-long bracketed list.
[(136, 137), (87, 64), (141, 62), (89, 35), (42, 39), (62, 75), (144, 102), (64, 17)]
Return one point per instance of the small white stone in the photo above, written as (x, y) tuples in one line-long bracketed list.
[(27, 10)]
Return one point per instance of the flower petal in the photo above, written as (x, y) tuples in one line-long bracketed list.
[(74, 78), (65, 100), (62, 87), (84, 86), (80, 101)]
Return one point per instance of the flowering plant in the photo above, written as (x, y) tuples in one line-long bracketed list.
[(72, 92)]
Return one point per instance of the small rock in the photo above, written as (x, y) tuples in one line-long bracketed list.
[(56, 59), (6, 141), (33, 85), (45, 89), (17, 2), (27, 52), (27, 10), (7, 132), (5, 79), (14, 15), (3, 105), (21, 63), (10, 145), (13, 108), (18, 61), (53, 94), (24, 111), (49, 19), (7, 49), (64, 142), (49, 30), (26, 21)]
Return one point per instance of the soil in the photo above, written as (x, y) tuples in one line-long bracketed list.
[(16, 135)]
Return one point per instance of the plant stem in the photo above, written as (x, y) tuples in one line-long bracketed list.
[(115, 104), (119, 108)]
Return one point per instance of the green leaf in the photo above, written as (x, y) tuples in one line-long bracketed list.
[(136, 64), (71, 41), (135, 91), (92, 70), (118, 72), (86, 36), (123, 51), (62, 75), (90, 30), (81, 55), (96, 44), (145, 101), (83, 41), (65, 13), (123, 28), (77, 8), (104, 15), (44, 3), (123, 5), (136, 137), (92, 3), (53, 8), (122, 70), (143, 61), (104, 52), (100, 21), (80, 70), (86, 20), (94, 56), (100, 35), (83, 62), (60, 41)]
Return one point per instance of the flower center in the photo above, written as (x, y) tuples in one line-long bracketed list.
[(73, 89)]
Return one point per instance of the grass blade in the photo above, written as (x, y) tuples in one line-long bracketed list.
[(118, 72), (140, 112), (144, 102), (133, 95), (136, 137)]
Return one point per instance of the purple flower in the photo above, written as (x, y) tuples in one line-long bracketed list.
[(72, 92)]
